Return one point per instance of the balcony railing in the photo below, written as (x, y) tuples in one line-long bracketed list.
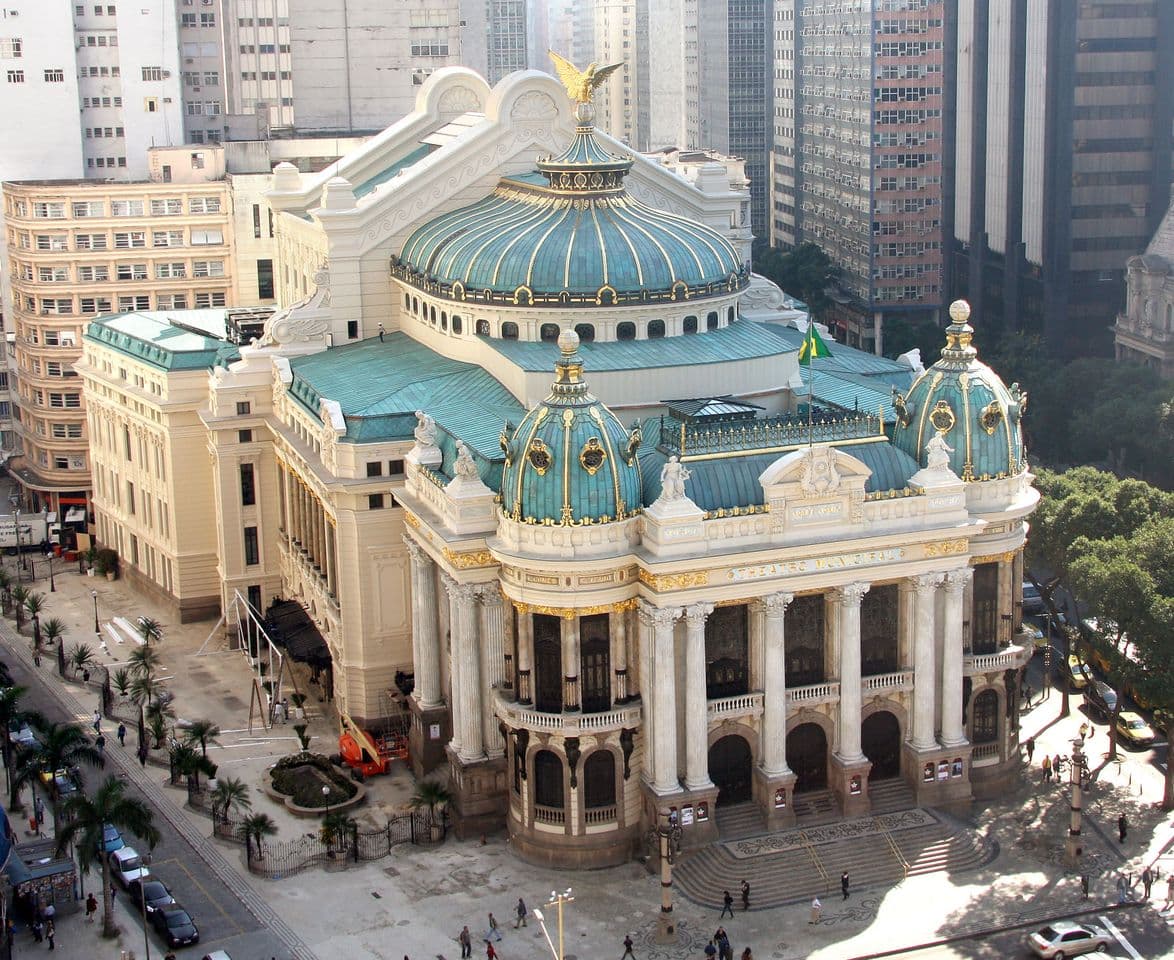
[(813, 693), (555, 815), (984, 751), (881, 682), (743, 705), (568, 724), (594, 815), (1009, 658)]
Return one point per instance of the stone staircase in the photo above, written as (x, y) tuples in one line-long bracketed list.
[(740, 821), (795, 869), (887, 796), (816, 807)]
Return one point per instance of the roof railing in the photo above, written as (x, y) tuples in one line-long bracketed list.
[(764, 433)]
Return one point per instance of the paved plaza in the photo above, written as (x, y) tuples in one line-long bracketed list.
[(415, 902)]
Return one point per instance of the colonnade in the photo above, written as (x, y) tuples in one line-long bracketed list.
[(309, 526)]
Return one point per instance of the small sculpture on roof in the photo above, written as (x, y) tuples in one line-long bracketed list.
[(465, 467), (425, 432), (1018, 406), (581, 84), (635, 438), (672, 479), (505, 442), (904, 417), (937, 453)]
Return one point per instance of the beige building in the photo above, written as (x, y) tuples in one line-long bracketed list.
[(78, 249), (1144, 332)]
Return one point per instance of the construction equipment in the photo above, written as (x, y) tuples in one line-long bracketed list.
[(372, 753)]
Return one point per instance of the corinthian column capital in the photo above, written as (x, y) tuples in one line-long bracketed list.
[(775, 604), (958, 580), (925, 582), (697, 613), (652, 616), (850, 594)]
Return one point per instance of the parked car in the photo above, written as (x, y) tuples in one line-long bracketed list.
[(1133, 729), (154, 891), (1100, 698), (21, 735), (216, 955), (1032, 601), (176, 926), (1067, 939), (1080, 674), (1035, 636), (127, 866), (66, 781), (111, 839)]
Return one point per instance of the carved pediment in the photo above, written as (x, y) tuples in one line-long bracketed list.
[(815, 485)]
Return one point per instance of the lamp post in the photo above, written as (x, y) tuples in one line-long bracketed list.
[(326, 797), (667, 834), (1074, 847), (556, 899), (52, 582), (97, 629)]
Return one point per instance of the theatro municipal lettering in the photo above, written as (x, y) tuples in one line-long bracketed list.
[(813, 564)]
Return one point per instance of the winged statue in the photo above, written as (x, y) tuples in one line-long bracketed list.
[(581, 84)]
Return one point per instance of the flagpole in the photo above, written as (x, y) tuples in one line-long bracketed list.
[(811, 381)]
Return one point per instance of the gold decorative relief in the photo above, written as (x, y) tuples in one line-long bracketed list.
[(991, 414), (539, 456), (592, 456), (674, 581), (472, 558), (412, 520), (942, 417), (946, 548)]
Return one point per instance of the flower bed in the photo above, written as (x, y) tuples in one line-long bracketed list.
[(297, 782)]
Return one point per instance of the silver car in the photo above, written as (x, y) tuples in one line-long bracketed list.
[(1067, 939)]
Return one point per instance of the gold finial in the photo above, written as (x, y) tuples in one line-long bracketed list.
[(581, 84)]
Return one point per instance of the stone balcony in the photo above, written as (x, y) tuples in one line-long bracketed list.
[(572, 724), (1009, 658)]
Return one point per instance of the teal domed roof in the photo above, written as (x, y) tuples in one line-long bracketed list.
[(570, 461), (966, 402), (569, 233)]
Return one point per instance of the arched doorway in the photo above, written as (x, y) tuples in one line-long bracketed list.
[(807, 756), (880, 738), (730, 766)]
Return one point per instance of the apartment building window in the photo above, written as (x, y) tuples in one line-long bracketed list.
[(375, 501), (211, 78), (256, 220), (151, 104), (265, 279), (170, 271), (92, 274), (130, 498), (207, 19), (54, 306), (48, 210), (10, 48), (61, 463), (204, 205), (167, 238), (152, 73), (197, 161), (207, 268), (187, 20), (95, 304), (248, 485), (171, 301), (66, 431), (89, 208), (126, 208), (52, 241), (53, 274), (252, 548), (243, 408), (206, 300), (55, 368), (85, 241), (131, 271), (129, 304), (65, 401), (168, 207), (130, 240), (16, 76)]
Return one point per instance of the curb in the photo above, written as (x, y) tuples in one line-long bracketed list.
[(201, 845)]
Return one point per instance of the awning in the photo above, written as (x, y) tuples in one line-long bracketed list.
[(290, 626), (75, 515)]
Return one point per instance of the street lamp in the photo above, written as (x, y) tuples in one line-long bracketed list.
[(667, 833), (326, 797), (556, 899), (1074, 848), (52, 582), (97, 629)]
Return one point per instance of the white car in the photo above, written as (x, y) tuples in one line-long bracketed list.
[(127, 865), (216, 955), (1067, 939)]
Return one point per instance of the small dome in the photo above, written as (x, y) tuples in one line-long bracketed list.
[(570, 461), (968, 404)]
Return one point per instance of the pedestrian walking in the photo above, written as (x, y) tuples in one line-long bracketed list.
[(122, 735), (747, 955), (381, 333), (1147, 881), (490, 953), (91, 908), (1122, 889), (1084, 885), (50, 933), (100, 743), (724, 949), (39, 811), (1046, 763), (521, 911), (710, 951), (38, 931), (1058, 768), (1027, 694), (1122, 828), (493, 932), (1029, 746), (844, 884), (628, 948), (285, 710), (97, 721), (745, 895), (727, 905), (1169, 891), (816, 910), (466, 942)]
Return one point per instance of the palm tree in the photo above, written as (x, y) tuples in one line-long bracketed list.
[(150, 630), (34, 603), (63, 746), (11, 713), (256, 827), (5, 588), (86, 819), (19, 595), (121, 680), (431, 794), (202, 732), (157, 715), (337, 828), (230, 794), (80, 657), (144, 662), (53, 630)]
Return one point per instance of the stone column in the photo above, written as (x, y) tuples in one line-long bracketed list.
[(456, 700), (658, 629), (466, 647), (426, 643), (509, 657), (569, 628), (924, 670), (492, 664), (1003, 626), (618, 624), (952, 733), (774, 701), (330, 561), (696, 701), (525, 656), (848, 599)]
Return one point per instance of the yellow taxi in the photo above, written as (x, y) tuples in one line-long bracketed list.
[(1133, 729), (1079, 672)]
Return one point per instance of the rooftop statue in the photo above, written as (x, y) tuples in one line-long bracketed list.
[(581, 84)]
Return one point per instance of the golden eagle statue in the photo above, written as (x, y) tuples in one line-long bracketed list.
[(581, 84)]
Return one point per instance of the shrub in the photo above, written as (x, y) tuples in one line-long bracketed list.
[(106, 561), (302, 777)]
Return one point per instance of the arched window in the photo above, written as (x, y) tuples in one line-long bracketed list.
[(655, 329), (690, 324), (407, 301), (586, 332), (1170, 318), (432, 315), (548, 332), (599, 780), (483, 329), (730, 315), (509, 331), (711, 320), (985, 726), (443, 320), (626, 331), (416, 306), (548, 779), (457, 325)]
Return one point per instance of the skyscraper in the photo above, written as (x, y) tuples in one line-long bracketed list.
[(505, 37), (1063, 145), (859, 150)]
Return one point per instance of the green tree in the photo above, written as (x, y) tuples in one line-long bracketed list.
[(86, 819), (202, 732), (430, 795), (805, 272), (150, 630), (34, 603), (80, 657), (230, 794), (13, 713), (158, 716), (902, 334), (52, 630), (19, 595), (255, 828), (62, 747), (338, 828)]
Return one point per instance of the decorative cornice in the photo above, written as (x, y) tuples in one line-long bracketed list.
[(1008, 557), (946, 548), (470, 558), (569, 613), (674, 581)]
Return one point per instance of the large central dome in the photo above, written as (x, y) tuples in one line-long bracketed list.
[(569, 233)]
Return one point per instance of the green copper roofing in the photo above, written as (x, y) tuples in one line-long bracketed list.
[(167, 340), (380, 386), (570, 461), (574, 236), (966, 402)]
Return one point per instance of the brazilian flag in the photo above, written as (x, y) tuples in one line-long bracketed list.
[(813, 346)]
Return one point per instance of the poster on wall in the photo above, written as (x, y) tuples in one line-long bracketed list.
[(686, 816), (434, 731), (943, 770)]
